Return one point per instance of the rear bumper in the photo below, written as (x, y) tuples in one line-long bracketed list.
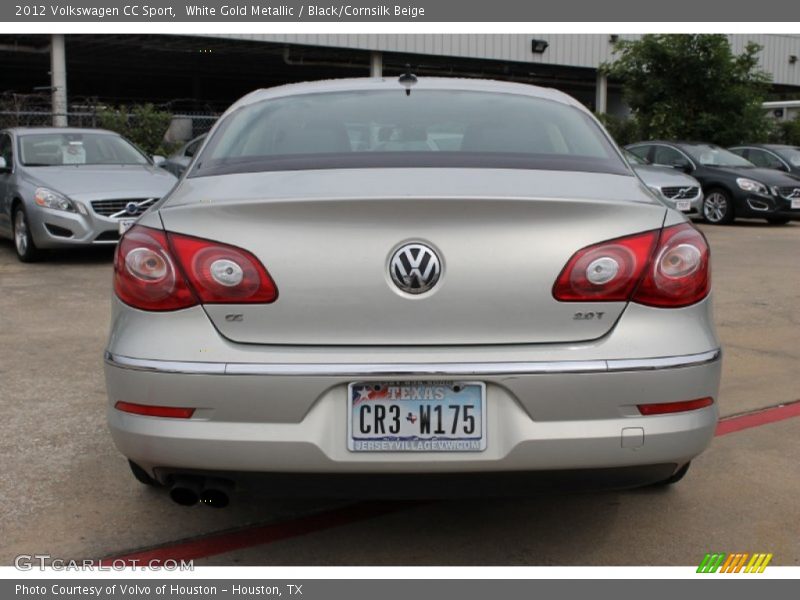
[(560, 415)]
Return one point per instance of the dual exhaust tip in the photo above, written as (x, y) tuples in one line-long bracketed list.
[(211, 492)]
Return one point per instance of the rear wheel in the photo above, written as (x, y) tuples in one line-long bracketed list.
[(141, 475), (23, 241), (675, 477), (718, 207), (778, 220)]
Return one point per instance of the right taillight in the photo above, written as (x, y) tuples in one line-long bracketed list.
[(158, 271), (667, 268), (679, 273)]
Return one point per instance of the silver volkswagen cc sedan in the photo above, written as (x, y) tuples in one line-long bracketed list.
[(308, 303), (68, 187)]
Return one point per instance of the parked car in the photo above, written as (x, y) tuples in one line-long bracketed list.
[(771, 156), (177, 163), (676, 189), (733, 187), (518, 304), (67, 187)]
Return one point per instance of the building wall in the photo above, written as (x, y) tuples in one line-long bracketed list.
[(577, 50)]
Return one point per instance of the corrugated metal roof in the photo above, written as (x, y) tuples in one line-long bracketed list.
[(575, 50)]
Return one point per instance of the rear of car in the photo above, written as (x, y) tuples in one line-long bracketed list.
[(335, 290)]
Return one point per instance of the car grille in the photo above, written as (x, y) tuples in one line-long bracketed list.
[(790, 192), (109, 208), (680, 193)]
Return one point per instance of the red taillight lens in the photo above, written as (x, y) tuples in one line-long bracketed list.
[(666, 269), (222, 274), (666, 408), (155, 270), (679, 274), (172, 412), (608, 271), (145, 275)]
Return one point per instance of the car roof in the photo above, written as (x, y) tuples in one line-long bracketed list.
[(392, 83), (24, 130), (766, 146)]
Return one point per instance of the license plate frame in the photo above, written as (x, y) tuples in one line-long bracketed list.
[(795, 203), (683, 205), (447, 428), (125, 224)]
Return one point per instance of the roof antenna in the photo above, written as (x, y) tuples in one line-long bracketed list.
[(408, 80)]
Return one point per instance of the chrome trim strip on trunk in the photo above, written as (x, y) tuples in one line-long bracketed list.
[(413, 369)]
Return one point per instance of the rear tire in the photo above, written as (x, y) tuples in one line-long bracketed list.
[(778, 220), (24, 245), (718, 207), (675, 477), (141, 475)]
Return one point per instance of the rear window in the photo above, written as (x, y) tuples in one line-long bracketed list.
[(428, 128)]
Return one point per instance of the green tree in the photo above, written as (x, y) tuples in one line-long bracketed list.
[(143, 124), (692, 87)]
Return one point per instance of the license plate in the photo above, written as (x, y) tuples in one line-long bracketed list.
[(125, 224), (683, 205), (795, 202), (432, 416)]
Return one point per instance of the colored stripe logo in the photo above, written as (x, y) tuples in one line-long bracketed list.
[(738, 562)]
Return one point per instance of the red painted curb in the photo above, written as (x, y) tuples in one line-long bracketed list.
[(220, 543), (758, 417)]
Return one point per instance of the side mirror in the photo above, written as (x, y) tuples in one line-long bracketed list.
[(158, 160), (681, 165), (4, 167)]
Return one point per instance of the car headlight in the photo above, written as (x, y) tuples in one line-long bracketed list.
[(51, 199), (656, 191), (748, 185)]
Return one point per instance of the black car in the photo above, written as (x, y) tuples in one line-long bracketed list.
[(771, 156), (733, 186)]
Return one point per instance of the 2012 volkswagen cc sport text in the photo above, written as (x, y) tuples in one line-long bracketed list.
[(416, 280)]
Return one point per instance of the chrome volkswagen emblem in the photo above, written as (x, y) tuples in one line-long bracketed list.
[(415, 268)]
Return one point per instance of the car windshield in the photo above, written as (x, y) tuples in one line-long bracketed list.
[(633, 159), (427, 128), (714, 156), (58, 149), (792, 155)]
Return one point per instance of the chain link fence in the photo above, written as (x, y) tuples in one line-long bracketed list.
[(185, 126), (34, 110)]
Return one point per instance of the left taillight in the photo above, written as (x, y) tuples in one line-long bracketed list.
[(160, 271)]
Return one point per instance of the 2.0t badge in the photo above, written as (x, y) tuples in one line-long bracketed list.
[(415, 268)]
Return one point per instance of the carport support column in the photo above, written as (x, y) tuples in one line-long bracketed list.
[(601, 94), (58, 79), (376, 64)]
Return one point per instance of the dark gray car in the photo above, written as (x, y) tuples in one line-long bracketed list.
[(65, 187), (771, 156)]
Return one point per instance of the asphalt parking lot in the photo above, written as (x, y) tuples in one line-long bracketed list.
[(68, 493)]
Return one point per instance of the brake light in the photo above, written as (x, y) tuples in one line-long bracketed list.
[(146, 276), (668, 268), (158, 271), (679, 274), (222, 274)]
